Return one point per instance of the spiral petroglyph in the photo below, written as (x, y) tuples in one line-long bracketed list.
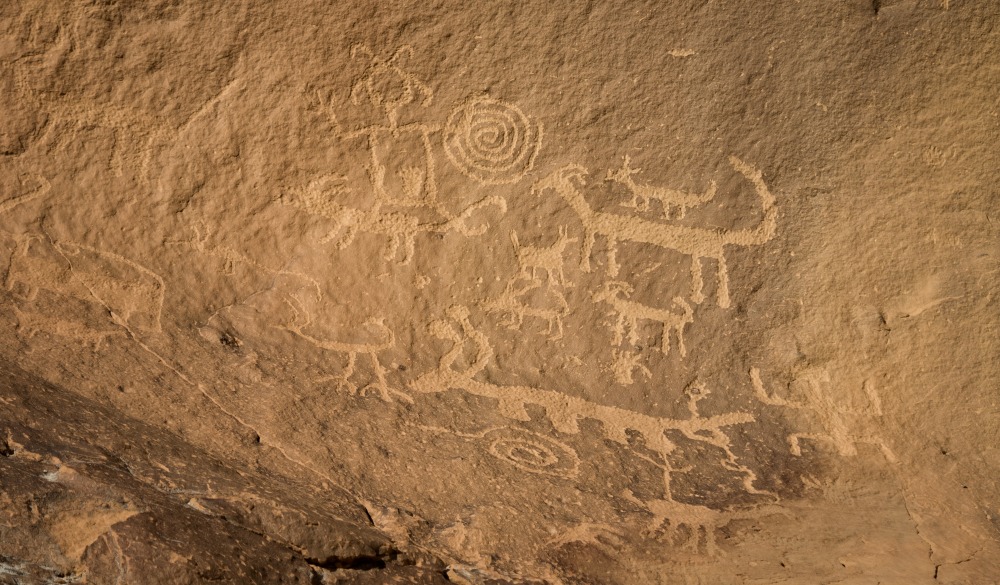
[(532, 452), (491, 141)]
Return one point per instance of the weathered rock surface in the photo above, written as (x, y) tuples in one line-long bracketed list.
[(417, 292)]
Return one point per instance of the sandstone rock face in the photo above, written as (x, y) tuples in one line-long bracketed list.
[(455, 292)]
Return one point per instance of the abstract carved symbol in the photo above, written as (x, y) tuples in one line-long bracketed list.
[(532, 452), (491, 141)]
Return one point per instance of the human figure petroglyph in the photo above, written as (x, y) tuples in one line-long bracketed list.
[(492, 141), (401, 228), (515, 303), (624, 365), (531, 259), (562, 410), (698, 243), (668, 198), (124, 287), (844, 427), (629, 313), (387, 340)]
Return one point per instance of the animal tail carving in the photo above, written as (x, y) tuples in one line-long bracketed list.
[(763, 231)]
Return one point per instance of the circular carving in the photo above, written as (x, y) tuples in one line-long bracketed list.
[(491, 141), (533, 452)]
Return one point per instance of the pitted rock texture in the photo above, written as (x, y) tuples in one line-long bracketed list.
[(453, 292)]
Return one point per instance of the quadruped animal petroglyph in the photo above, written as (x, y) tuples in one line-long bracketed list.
[(401, 228), (531, 259), (844, 427), (515, 303), (628, 313), (698, 243), (387, 340), (669, 198)]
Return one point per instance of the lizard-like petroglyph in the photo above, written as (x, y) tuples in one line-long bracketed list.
[(668, 198), (401, 228), (514, 302), (127, 289), (698, 243), (492, 141), (43, 188), (387, 341), (629, 313), (562, 410), (844, 427), (550, 258)]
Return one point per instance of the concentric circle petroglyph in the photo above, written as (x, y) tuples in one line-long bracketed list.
[(532, 452), (492, 141)]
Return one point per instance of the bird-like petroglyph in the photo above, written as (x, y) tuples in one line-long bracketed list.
[(698, 243), (669, 199), (492, 141), (628, 313), (519, 300), (531, 259), (132, 294), (401, 228), (387, 340), (843, 427)]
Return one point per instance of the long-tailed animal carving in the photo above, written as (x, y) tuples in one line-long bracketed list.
[(629, 313), (515, 303), (698, 243), (530, 259), (401, 228), (835, 418), (562, 410), (669, 198)]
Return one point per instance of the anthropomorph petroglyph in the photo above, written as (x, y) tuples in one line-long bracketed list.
[(624, 365), (401, 228), (492, 141), (844, 427), (669, 198), (698, 243), (387, 340), (518, 301), (628, 314), (131, 293), (531, 259)]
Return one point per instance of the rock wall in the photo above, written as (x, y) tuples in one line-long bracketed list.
[(639, 292)]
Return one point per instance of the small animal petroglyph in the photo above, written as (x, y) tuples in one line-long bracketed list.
[(668, 198), (131, 293), (492, 141), (698, 243), (401, 228), (387, 341), (515, 303), (844, 427), (625, 364), (550, 258), (629, 313)]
